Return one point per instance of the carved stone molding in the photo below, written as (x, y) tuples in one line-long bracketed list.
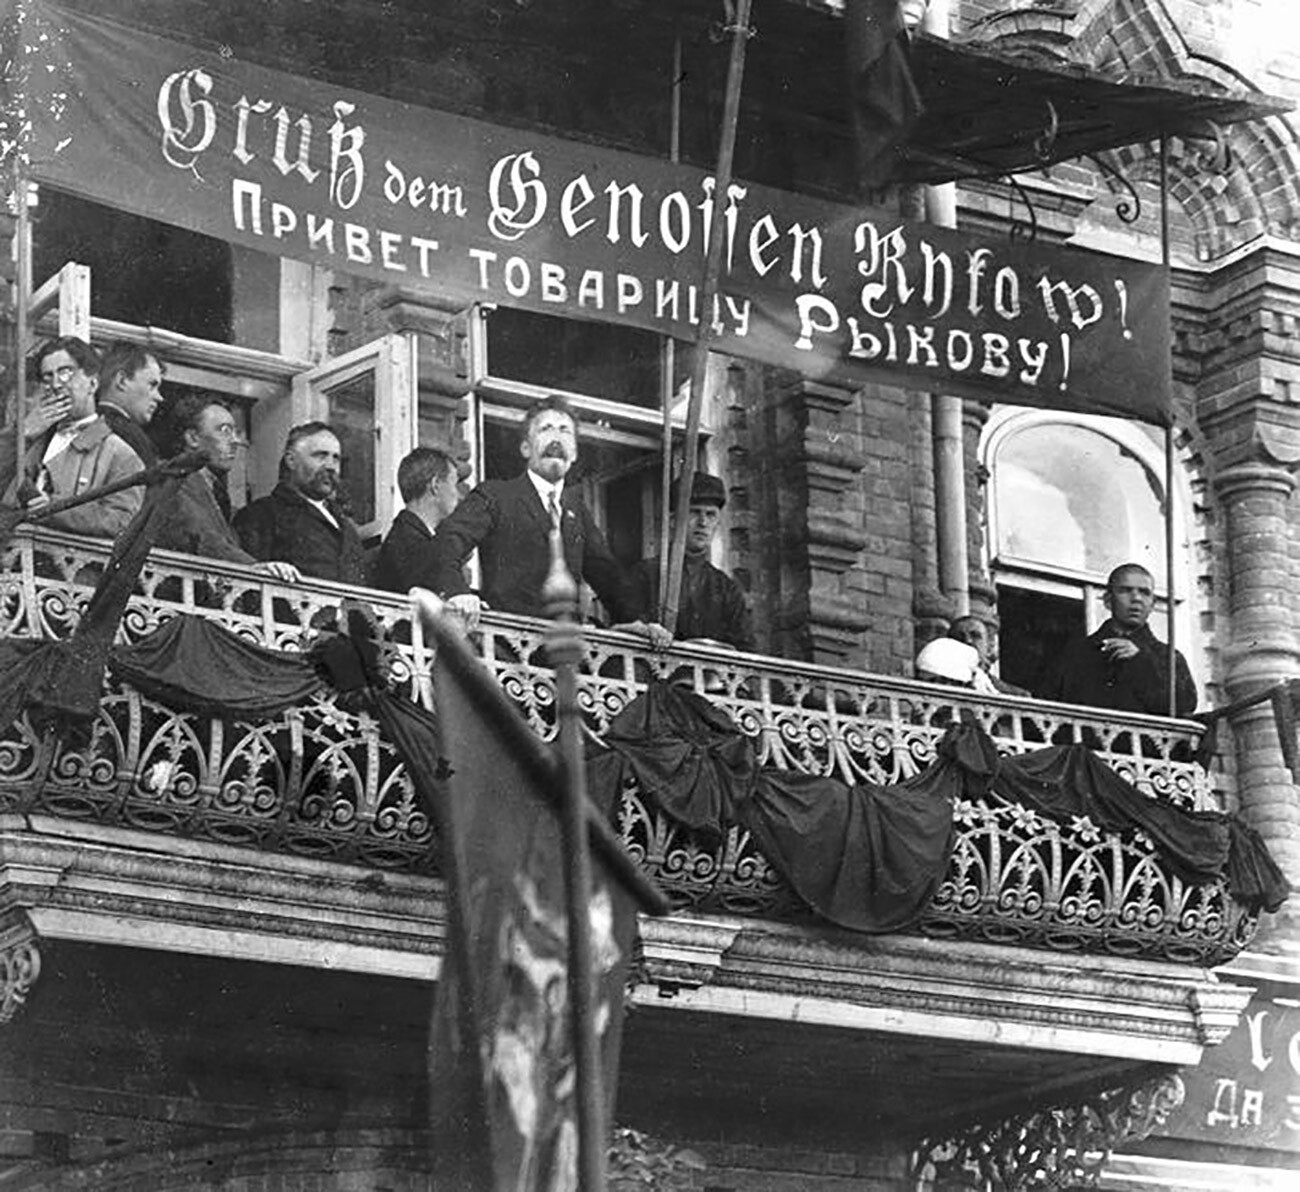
[(20, 962), (827, 462), (1061, 1147)]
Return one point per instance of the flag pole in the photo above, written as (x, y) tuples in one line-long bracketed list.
[(668, 352), (1172, 645), (740, 33), (564, 646), (22, 233)]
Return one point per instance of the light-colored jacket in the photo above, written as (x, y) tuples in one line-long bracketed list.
[(96, 456)]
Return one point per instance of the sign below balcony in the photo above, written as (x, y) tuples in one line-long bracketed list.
[(365, 184), (1246, 1091)]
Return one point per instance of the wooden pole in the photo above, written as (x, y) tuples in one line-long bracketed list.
[(564, 645), (22, 233), (1170, 630), (670, 597), (668, 354)]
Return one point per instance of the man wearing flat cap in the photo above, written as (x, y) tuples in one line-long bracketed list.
[(712, 606)]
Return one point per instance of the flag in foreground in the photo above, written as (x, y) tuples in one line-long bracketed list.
[(503, 1083)]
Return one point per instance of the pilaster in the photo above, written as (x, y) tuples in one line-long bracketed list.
[(1255, 493), (826, 461), (442, 336), (1248, 370)]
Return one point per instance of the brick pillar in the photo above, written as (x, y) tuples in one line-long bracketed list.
[(1257, 502), (824, 540)]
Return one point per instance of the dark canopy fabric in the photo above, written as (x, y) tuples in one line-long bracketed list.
[(870, 857)]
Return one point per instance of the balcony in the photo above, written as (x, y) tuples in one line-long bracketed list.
[(1053, 957), (318, 782)]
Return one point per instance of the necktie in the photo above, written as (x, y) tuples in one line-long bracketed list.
[(553, 507)]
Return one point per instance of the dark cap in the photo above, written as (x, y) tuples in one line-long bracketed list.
[(705, 490)]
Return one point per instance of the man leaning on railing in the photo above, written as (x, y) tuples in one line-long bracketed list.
[(509, 522), (1123, 665), (198, 523)]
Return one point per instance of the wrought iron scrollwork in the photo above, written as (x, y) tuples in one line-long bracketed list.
[(1062, 1147), (1021, 232), (1128, 206), (320, 781)]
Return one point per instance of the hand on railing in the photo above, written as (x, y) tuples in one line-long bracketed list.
[(286, 573), (468, 607), (659, 638)]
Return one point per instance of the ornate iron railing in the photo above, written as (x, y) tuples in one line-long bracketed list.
[(319, 780)]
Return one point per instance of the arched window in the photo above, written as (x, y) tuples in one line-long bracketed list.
[(1070, 497)]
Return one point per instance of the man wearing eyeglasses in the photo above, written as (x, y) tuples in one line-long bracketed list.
[(71, 449)]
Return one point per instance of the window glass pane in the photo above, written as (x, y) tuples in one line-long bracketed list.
[(352, 415), (1070, 497), (600, 359)]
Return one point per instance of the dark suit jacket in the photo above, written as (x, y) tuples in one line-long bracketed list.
[(406, 559), (1085, 675), (197, 526), (508, 523), (126, 427), (286, 527)]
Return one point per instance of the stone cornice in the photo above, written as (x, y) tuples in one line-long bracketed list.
[(984, 994), (74, 881), (105, 885)]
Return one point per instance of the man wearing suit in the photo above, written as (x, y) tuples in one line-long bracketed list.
[(509, 522), (198, 524), (430, 485), (300, 522)]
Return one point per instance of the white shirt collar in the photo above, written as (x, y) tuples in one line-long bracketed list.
[(324, 509), (545, 488), (64, 435)]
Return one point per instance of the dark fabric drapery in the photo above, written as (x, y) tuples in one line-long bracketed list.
[(870, 857), (197, 665), (65, 678)]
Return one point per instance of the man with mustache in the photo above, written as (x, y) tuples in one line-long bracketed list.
[(510, 521), (300, 522)]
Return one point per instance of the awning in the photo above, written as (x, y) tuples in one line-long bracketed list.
[(990, 112)]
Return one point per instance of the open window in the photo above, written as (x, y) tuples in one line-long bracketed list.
[(368, 397), (614, 377), (1070, 498)]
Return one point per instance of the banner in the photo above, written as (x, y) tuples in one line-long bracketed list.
[(1246, 1091), (503, 1078), (478, 212)]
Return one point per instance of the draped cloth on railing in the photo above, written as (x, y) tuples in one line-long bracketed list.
[(870, 857), (64, 678)]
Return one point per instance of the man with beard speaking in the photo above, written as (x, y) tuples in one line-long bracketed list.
[(300, 521), (510, 522)]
